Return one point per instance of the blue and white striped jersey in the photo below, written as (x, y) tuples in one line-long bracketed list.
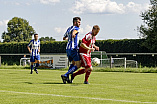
[(34, 45), (72, 42)]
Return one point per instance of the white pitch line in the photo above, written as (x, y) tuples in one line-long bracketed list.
[(127, 101)]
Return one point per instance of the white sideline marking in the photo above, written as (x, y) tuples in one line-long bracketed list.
[(127, 101)]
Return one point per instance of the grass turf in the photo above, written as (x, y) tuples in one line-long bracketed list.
[(18, 86)]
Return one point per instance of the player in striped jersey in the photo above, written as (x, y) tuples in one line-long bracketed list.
[(34, 50), (87, 45), (72, 48)]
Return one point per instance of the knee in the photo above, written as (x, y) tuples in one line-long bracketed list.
[(90, 69)]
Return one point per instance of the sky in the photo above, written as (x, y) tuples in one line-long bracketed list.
[(118, 19)]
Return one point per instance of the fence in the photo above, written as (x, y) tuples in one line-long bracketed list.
[(132, 58)]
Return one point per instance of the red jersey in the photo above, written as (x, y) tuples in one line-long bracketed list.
[(89, 40)]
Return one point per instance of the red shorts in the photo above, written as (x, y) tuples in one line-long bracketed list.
[(85, 61)]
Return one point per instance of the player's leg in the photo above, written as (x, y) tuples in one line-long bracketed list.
[(32, 60), (63, 76), (37, 64), (86, 62), (76, 57), (88, 70), (71, 65), (84, 59), (87, 75), (74, 68)]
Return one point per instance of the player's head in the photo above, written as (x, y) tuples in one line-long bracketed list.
[(36, 36), (95, 30), (77, 21)]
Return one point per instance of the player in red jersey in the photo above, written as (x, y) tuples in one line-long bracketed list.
[(87, 45)]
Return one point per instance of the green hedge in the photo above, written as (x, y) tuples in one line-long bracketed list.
[(110, 46), (122, 46)]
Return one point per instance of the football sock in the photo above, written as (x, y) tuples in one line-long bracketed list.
[(71, 70), (31, 67), (87, 75), (36, 66), (81, 71)]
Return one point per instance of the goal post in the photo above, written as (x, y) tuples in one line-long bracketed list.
[(113, 62)]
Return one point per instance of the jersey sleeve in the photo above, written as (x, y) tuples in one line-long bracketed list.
[(84, 40), (30, 43), (87, 38), (66, 34)]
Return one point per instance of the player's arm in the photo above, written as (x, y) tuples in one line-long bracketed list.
[(38, 49), (74, 33), (29, 49), (86, 47), (96, 47)]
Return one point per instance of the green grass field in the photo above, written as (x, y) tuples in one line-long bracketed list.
[(17, 86)]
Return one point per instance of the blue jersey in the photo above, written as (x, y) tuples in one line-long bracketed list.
[(72, 42), (34, 46)]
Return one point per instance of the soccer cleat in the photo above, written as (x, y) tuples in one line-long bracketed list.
[(68, 81), (64, 79), (72, 78), (36, 71), (31, 72), (86, 82)]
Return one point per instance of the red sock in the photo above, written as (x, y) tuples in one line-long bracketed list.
[(87, 75), (81, 71)]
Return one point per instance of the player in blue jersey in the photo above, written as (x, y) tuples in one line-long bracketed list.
[(34, 50), (72, 48)]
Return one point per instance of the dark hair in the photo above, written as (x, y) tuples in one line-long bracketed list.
[(35, 34), (76, 18)]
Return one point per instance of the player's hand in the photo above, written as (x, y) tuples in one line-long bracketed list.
[(92, 49), (30, 52), (97, 48)]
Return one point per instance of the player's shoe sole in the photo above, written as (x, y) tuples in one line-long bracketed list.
[(64, 79), (86, 82)]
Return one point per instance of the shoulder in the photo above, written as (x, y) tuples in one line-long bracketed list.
[(31, 41), (69, 28), (76, 28), (88, 36)]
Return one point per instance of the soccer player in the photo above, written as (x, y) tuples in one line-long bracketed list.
[(34, 50), (72, 48), (86, 47)]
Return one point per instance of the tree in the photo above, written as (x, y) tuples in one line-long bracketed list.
[(18, 30), (46, 39), (149, 30)]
